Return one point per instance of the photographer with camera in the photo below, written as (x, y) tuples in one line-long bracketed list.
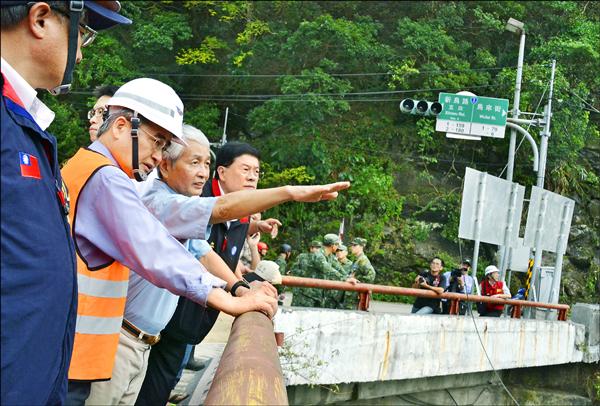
[(431, 280), (458, 281)]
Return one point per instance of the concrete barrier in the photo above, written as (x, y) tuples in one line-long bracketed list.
[(589, 316), (323, 346)]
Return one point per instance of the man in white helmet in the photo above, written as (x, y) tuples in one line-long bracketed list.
[(114, 232), (41, 43), (174, 200)]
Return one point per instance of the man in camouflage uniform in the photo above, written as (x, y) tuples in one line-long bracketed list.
[(284, 254), (302, 267), (361, 271), (342, 257), (319, 264), (332, 271)]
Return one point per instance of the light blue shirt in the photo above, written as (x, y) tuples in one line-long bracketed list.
[(112, 223), (149, 307)]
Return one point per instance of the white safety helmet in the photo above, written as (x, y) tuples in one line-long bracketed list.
[(154, 100), (491, 269), (269, 271)]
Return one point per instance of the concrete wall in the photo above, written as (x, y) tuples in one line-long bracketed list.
[(324, 346), (589, 315)]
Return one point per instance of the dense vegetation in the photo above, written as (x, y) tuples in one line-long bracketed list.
[(316, 86)]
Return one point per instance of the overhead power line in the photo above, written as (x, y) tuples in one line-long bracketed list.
[(278, 75)]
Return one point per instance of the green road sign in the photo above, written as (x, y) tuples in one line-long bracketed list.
[(472, 115)]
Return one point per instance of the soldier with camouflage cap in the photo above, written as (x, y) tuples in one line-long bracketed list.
[(361, 271), (332, 298), (314, 245), (342, 257), (301, 296), (318, 265)]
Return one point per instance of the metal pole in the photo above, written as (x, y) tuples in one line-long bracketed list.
[(516, 111), (248, 376), (537, 259), (513, 132), (509, 228), (528, 137), (224, 138), (503, 253), (546, 132), (560, 250), (478, 218)]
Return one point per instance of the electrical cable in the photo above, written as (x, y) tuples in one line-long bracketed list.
[(594, 110), (279, 75), (470, 311), (528, 127), (286, 97), (454, 400)]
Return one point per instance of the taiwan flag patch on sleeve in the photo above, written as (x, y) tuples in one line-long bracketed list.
[(29, 166)]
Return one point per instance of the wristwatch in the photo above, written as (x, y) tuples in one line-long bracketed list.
[(236, 285)]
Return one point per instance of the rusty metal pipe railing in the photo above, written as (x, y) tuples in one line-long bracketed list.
[(249, 372), (368, 289)]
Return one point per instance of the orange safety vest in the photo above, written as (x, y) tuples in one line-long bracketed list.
[(101, 293)]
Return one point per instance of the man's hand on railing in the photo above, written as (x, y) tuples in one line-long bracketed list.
[(352, 280), (264, 287), (256, 300), (251, 300)]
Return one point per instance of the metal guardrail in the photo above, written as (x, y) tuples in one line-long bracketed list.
[(366, 289), (249, 372)]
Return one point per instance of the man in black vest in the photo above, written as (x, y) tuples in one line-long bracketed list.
[(237, 168)]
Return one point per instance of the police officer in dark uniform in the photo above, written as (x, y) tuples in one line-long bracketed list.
[(39, 286)]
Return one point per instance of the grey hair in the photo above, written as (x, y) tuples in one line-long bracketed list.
[(190, 134), (113, 115)]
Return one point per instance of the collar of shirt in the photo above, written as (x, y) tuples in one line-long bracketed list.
[(101, 148), (42, 115), (158, 184)]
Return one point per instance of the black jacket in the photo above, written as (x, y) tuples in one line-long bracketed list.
[(191, 321)]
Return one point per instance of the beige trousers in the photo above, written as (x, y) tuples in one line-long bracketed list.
[(128, 374)]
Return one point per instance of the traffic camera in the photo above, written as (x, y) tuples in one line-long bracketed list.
[(420, 107)]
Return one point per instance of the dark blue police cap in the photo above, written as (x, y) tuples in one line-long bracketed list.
[(102, 14)]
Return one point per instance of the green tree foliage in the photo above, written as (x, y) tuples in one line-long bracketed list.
[(316, 86)]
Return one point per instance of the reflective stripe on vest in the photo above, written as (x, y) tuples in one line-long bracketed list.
[(101, 293), (98, 325), (101, 288)]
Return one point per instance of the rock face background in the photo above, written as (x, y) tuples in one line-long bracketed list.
[(438, 220)]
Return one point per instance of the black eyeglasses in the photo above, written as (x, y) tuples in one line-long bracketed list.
[(96, 112), (159, 144), (88, 34)]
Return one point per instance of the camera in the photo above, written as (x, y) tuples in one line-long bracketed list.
[(457, 273)]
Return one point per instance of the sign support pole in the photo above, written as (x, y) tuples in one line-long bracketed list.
[(537, 259), (478, 219)]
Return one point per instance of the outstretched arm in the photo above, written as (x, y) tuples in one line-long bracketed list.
[(245, 202)]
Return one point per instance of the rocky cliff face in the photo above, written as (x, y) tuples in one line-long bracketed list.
[(432, 210)]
